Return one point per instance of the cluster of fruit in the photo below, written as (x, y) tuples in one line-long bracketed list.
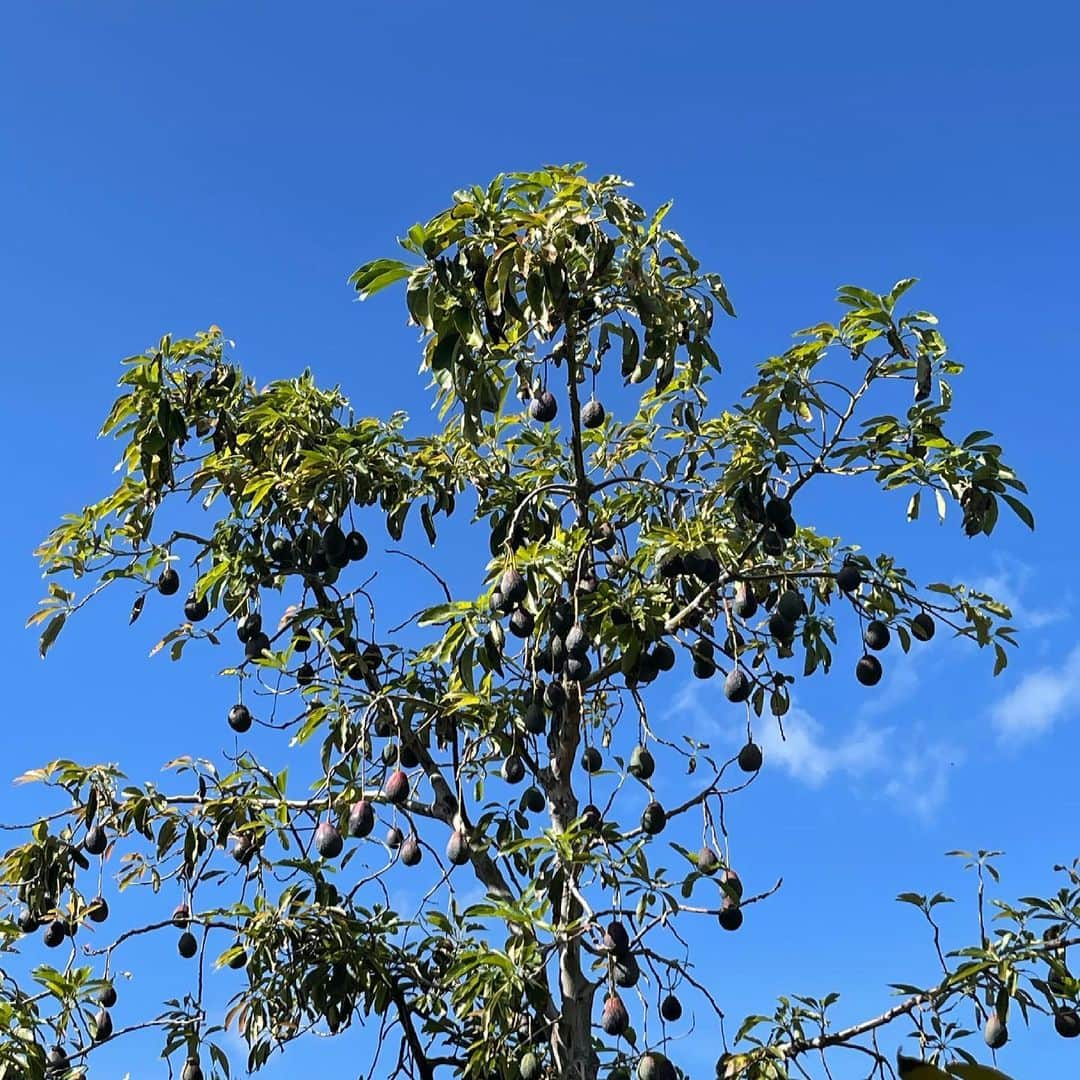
[(544, 407), (316, 557), (329, 842)]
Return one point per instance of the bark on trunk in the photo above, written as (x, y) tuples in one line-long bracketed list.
[(572, 1037)]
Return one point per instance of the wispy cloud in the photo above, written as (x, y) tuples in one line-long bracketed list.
[(1009, 583), (919, 782), (812, 757), (1039, 700), (870, 755)]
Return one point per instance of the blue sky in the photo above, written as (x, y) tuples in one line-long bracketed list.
[(166, 167)]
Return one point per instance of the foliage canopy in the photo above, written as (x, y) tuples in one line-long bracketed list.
[(501, 738)]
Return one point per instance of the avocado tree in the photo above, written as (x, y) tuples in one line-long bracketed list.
[(500, 740)]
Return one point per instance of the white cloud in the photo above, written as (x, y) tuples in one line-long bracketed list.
[(812, 757), (1008, 583), (1041, 697), (920, 781), (913, 776)]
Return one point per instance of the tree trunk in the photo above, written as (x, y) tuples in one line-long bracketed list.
[(572, 1036)]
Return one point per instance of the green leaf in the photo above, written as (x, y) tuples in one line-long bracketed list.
[(631, 351), (442, 352), (899, 289), (137, 608), (444, 613), (1001, 659), (428, 523), (495, 283), (658, 217), (49, 634), (854, 296), (912, 898), (720, 293), (122, 408), (967, 1071), (912, 1069), (1020, 510), (220, 1059), (373, 276)]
